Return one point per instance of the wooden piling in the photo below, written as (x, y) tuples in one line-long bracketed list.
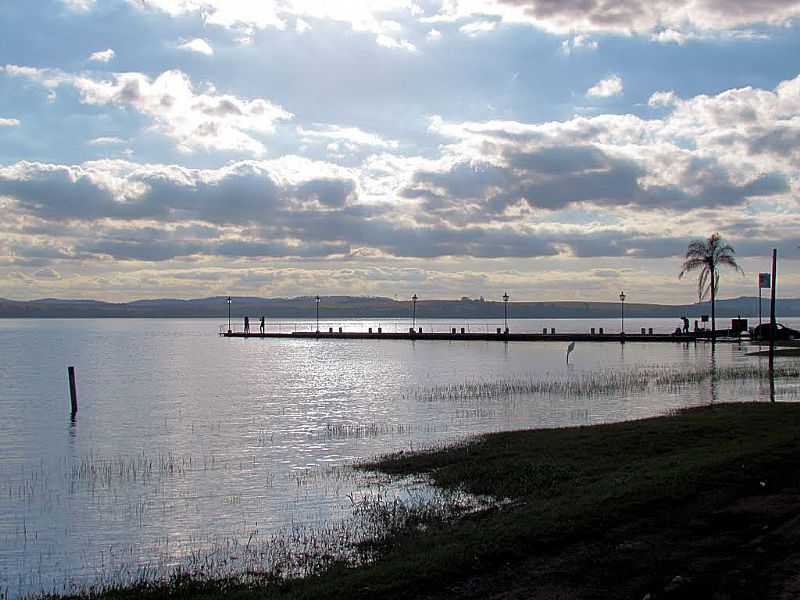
[(73, 393)]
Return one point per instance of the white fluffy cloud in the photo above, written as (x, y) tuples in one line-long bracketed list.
[(666, 21), (197, 45), (102, 56), (351, 136), (660, 99), (578, 42), (106, 141), (370, 16), (79, 5), (610, 86), (196, 121), (476, 28), (733, 149), (497, 189), (434, 35), (9, 122)]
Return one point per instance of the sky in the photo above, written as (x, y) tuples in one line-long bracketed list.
[(550, 149)]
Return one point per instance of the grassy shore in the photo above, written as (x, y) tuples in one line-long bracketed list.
[(704, 503)]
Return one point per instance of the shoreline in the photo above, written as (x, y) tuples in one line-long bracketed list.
[(705, 501)]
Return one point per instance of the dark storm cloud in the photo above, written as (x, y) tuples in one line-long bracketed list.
[(782, 140), (646, 15), (242, 211), (247, 196), (278, 249), (151, 252), (555, 178), (241, 196), (614, 14), (330, 192), (762, 247), (55, 192), (48, 251), (609, 244)]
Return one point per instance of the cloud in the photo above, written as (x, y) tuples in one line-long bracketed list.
[(47, 273), (353, 137), (197, 45), (661, 99), (709, 151), (578, 42), (390, 42), (477, 28), (606, 186), (103, 56), (670, 20), (196, 121), (9, 122), (434, 35), (79, 5), (254, 210), (251, 209), (106, 141), (243, 16), (671, 36), (610, 86)]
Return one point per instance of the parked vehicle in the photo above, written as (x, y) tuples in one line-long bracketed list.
[(763, 332)]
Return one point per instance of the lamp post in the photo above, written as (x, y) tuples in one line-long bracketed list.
[(317, 299), (413, 311), (622, 310), (229, 313), (505, 311)]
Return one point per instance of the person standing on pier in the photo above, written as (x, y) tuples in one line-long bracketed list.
[(247, 325), (261, 327)]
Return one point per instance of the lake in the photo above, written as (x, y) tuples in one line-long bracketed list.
[(187, 444)]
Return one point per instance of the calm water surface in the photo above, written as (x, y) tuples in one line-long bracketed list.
[(243, 436)]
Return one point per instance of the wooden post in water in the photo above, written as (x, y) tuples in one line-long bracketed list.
[(73, 393)]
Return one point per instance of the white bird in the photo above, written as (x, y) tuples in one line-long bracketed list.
[(570, 348)]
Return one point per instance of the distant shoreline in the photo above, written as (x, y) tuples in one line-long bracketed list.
[(350, 307)]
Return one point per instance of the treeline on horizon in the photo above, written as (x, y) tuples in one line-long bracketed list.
[(333, 307)]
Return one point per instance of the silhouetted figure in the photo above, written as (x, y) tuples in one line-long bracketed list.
[(685, 324), (261, 327), (246, 325), (696, 327)]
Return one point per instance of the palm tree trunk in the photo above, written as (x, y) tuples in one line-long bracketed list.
[(713, 315)]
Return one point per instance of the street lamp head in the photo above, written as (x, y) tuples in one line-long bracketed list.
[(622, 296), (505, 297), (317, 299), (414, 297), (228, 300)]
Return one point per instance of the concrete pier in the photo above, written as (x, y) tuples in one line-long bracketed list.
[(457, 336)]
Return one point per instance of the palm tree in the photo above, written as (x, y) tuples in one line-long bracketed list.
[(706, 256)]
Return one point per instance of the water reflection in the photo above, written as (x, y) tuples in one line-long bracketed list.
[(189, 437), (714, 379)]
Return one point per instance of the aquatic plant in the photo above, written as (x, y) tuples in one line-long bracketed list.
[(252, 558), (596, 383)]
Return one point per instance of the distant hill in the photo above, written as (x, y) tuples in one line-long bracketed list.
[(332, 307)]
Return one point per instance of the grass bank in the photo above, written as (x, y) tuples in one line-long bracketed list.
[(704, 503)]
